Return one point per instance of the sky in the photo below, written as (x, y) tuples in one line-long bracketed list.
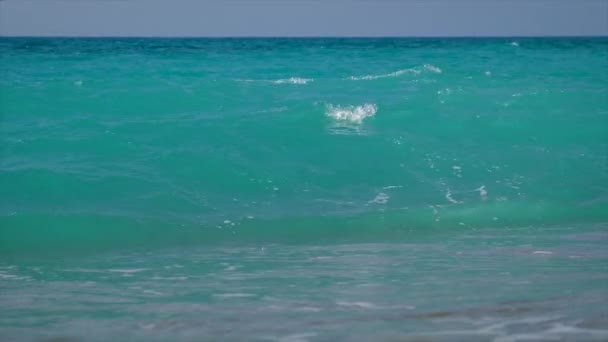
[(218, 18)]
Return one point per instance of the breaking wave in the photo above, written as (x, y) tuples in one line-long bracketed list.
[(412, 71), (291, 80), (392, 74), (354, 114)]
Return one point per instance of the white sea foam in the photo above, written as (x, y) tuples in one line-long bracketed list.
[(392, 187), (448, 196), (83, 270), (392, 74), (354, 114), (457, 171), (514, 44), (380, 198), (432, 68), (132, 270), (293, 80), (412, 71), (362, 305), (12, 277), (483, 193)]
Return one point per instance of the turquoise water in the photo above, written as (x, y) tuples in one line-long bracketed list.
[(303, 189)]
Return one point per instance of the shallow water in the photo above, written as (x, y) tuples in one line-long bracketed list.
[(493, 284)]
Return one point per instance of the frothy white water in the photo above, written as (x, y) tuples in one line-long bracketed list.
[(432, 68), (448, 196), (293, 80), (542, 252), (380, 198), (412, 71), (354, 114), (392, 187), (483, 193), (130, 270), (392, 74), (361, 305)]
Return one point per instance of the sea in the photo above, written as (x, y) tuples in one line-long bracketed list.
[(313, 189)]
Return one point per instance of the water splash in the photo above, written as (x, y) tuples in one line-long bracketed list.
[(353, 114)]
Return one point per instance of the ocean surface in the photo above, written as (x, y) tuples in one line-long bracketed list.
[(304, 189)]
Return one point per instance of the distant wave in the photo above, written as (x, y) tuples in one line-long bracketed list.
[(354, 114), (291, 80), (413, 71), (392, 74)]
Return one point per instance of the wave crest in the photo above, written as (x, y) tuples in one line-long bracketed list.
[(413, 71), (432, 68), (354, 114), (392, 74), (291, 80)]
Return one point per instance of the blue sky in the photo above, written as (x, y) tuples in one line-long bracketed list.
[(304, 17)]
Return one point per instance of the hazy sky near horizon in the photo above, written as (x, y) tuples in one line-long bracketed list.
[(303, 17)]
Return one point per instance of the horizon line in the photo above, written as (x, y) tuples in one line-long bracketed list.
[(302, 36)]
